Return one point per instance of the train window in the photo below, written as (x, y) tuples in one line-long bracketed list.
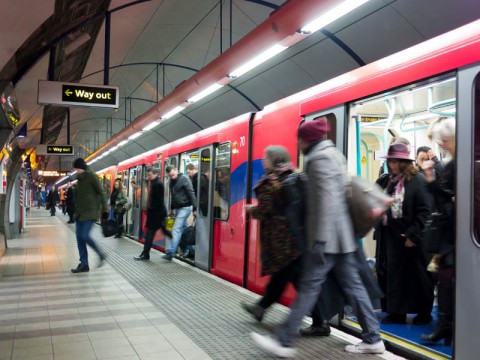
[(221, 196), (332, 120), (476, 210)]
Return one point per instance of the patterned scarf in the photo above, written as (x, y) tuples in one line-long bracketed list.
[(396, 189)]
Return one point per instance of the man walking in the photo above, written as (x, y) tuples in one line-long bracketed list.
[(331, 245), (90, 197), (183, 199), (156, 212), (52, 199)]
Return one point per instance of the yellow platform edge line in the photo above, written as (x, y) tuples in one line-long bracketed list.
[(402, 343)]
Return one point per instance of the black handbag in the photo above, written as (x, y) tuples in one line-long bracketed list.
[(109, 228)]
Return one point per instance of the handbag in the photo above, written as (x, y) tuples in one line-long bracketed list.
[(48, 206), (109, 228), (169, 221), (366, 203), (127, 206)]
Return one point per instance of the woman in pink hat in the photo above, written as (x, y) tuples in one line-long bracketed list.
[(401, 260)]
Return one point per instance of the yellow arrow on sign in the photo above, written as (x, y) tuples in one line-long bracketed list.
[(68, 92)]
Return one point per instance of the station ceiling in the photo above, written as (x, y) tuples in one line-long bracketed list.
[(156, 45)]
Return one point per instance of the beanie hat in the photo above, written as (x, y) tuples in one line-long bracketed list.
[(80, 164), (314, 130)]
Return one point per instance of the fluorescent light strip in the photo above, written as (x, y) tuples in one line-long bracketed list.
[(173, 112), (330, 16), (151, 126), (121, 143), (136, 135), (204, 93), (257, 60)]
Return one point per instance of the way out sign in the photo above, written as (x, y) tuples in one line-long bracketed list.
[(70, 94)]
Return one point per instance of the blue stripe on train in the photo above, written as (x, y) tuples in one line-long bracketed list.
[(238, 180)]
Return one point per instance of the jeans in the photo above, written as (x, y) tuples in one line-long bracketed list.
[(181, 216), (345, 269), (82, 230)]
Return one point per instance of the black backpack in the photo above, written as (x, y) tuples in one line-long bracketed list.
[(294, 189)]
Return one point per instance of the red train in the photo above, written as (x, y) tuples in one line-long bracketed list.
[(397, 95)]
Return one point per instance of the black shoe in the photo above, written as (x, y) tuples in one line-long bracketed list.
[(316, 330), (81, 268), (422, 319), (70, 222), (117, 236), (142, 257), (255, 310), (167, 257), (394, 319)]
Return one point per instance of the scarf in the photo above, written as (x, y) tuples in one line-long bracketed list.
[(396, 189)]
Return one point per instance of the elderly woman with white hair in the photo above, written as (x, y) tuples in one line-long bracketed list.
[(442, 131)]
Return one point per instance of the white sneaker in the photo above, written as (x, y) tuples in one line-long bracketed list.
[(271, 346), (364, 348)]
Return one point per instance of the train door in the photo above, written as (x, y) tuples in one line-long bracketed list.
[(132, 186), (467, 199), (126, 186), (204, 221), (137, 205), (173, 161), (406, 116)]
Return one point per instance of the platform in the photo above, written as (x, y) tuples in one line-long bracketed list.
[(126, 309)]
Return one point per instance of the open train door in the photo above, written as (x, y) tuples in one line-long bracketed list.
[(467, 199), (204, 221)]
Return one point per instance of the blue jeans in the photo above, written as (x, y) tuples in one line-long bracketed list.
[(345, 270), (181, 216), (82, 230)]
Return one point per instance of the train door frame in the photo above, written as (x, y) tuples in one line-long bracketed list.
[(204, 222), (466, 318), (171, 160), (137, 206)]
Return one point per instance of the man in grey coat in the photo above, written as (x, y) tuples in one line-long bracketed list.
[(331, 245)]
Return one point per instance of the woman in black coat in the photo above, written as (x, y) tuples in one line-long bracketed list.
[(400, 255)]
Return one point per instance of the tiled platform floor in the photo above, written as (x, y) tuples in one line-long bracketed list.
[(125, 309)]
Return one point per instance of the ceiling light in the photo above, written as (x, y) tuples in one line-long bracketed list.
[(136, 135), (151, 126), (121, 143), (175, 111), (330, 16), (259, 59), (114, 148), (204, 93)]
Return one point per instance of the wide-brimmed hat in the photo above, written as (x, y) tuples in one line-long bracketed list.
[(398, 151)]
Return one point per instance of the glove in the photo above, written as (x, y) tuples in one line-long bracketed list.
[(318, 252), (105, 216)]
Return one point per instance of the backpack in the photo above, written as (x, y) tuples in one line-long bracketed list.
[(294, 188), (366, 203)]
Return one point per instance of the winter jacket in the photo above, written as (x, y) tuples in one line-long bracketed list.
[(181, 192), (156, 211), (119, 199), (90, 197)]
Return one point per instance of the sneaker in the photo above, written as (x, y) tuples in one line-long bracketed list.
[(364, 348), (272, 346), (167, 257), (255, 310), (80, 268), (316, 330)]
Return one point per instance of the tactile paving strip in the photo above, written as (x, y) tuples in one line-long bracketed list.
[(205, 308)]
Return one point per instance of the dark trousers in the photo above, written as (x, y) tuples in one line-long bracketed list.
[(52, 208), (119, 220), (148, 241), (82, 230)]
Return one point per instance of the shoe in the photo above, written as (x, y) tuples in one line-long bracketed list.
[(394, 319), (80, 268), (117, 236), (70, 222), (364, 348), (255, 310), (422, 319), (272, 346), (142, 257), (167, 257), (316, 330)]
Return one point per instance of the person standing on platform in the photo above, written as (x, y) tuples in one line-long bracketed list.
[(90, 198), (62, 200), (331, 246), (182, 201), (117, 200), (38, 196), (70, 203), (156, 212), (52, 199)]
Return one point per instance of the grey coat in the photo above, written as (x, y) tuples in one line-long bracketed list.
[(328, 220)]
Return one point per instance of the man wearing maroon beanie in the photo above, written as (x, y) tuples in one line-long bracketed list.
[(331, 246)]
